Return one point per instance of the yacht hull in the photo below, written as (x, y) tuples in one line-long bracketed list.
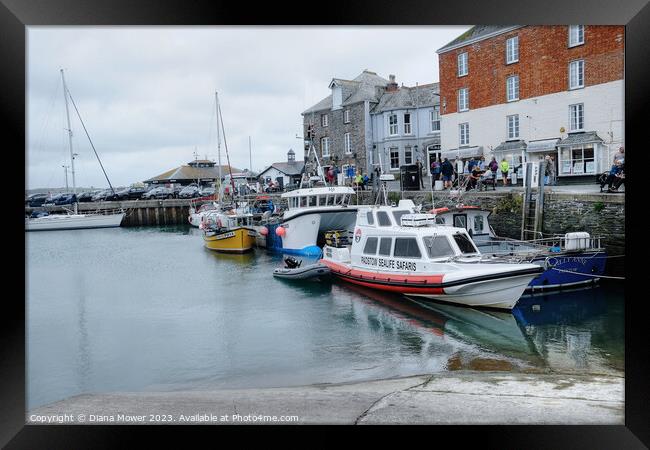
[(73, 222)]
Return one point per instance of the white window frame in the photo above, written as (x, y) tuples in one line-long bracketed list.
[(463, 93), (462, 62), (407, 125), (577, 75), (346, 116), (514, 89), (347, 143), (392, 150), (512, 50), (576, 29), (324, 120), (408, 150), (435, 119), (463, 132), (579, 113), (391, 131), (325, 146), (512, 126)]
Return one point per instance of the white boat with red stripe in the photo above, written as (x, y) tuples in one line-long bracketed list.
[(395, 248)]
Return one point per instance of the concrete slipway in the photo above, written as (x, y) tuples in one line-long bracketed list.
[(450, 398)]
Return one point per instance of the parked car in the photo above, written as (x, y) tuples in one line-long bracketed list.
[(117, 195), (190, 191), (177, 190), (135, 193), (36, 200), (51, 201), (87, 196), (101, 195), (159, 192), (66, 199), (207, 192)]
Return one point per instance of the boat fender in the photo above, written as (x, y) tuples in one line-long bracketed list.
[(264, 231), (280, 231)]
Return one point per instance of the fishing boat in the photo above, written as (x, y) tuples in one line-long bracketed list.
[(228, 230), (397, 249), (569, 260), (310, 212), (228, 233), (72, 219)]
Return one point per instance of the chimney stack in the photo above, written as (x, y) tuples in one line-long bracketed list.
[(392, 85)]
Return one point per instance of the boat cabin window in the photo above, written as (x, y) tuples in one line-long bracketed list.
[(440, 220), (406, 248), (478, 224), (460, 221), (342, 200), (383, 219), (330, 200), (370, 218), (371, 246), (398, 215), (385, 245), (312, 200), (464, 243), (437, 246), (303, 202)]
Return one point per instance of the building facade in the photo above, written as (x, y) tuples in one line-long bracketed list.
[(284, 173), (522, 92), (370, 122), (406, 126), (339, 125)]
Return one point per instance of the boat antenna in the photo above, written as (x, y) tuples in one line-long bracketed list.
[(225, 144), (87, 135)]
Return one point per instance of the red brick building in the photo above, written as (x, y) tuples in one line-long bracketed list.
[(523, 91)]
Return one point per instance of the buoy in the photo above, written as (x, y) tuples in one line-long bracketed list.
[(264, 231), (280, 231)]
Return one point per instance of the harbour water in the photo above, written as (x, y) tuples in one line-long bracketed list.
[(146, 309)]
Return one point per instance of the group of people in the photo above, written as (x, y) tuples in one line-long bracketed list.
[(475, 171), (616, 175)]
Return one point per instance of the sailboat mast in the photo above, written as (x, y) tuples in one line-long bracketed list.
[(216, 96), (67, 113)]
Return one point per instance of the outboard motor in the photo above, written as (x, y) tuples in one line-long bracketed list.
[(292, 262)]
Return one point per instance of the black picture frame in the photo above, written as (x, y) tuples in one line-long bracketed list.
[(15, 15)]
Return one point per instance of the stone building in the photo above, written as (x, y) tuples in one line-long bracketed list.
[(522, 92), (339, 125), (406, 126), (352, 128)]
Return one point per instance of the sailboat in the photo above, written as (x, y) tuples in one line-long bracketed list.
[(72, 220), (228, 231)]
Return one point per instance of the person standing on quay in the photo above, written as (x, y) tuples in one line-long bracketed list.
[(505, 167), (421, 172), (447, 170)]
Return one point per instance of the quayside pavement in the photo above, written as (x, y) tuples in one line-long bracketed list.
[(452, 398)]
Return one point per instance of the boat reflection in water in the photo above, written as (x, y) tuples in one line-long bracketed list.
[(566, 330)]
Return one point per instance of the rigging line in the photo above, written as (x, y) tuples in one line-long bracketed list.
[(223, 131), (90, 140), (589, 275)]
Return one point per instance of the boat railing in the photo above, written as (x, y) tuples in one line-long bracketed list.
[(552, 243)]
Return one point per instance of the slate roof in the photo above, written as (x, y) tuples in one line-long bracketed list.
[(405, 97), (288, 169), (191, 173), (587, 137), (362, 88), (476, 33), (509, 145)]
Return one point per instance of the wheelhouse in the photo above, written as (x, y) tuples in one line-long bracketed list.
[(319, 197)]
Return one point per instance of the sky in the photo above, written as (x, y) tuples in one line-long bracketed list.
[(147, 94)]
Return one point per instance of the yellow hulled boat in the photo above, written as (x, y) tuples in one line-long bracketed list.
[(229, 233)]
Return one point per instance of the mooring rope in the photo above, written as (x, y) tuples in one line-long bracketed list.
[(589, 275)]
